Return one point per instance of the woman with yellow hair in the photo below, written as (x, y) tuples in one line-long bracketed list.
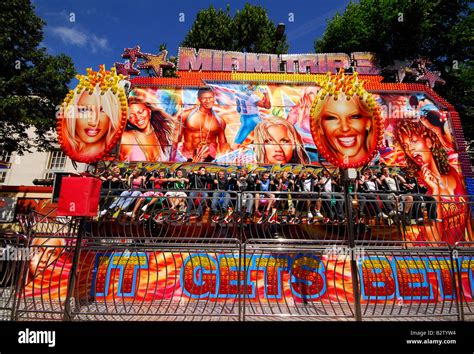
[(93, 116), (345, 121), (92, 120), (276, 141)]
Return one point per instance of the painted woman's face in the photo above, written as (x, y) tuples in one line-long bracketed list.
[(139, 115), (417, 148), (344, 127), (278, 146), (46, 252), (92, 122)]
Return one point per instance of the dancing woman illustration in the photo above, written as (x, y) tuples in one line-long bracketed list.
[(148, 135), (426, 156)]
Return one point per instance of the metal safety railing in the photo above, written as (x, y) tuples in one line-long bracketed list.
[(211, 258), (296, 215), (463, 257), (296, 280), (408, 282), (13, 258), (152, 282)]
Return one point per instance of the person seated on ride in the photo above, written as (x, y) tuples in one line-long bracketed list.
[(199, 182), (246, 184), (305, 185), (135, 183), (176, 196), (112, 185), (220, 196), (392, 183), (317, 189), (285, 184), (367, 184), (419, 197), (332, 196), (266, 185), (151, 197)]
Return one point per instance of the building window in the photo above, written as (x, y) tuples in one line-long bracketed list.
[(3, 176), (5, 156), (56, 163)]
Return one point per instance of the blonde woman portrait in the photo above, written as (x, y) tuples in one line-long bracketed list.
[(93, 116), (276, 141), (91, 122)]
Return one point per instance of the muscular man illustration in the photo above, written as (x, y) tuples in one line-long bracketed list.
[(203, 132)]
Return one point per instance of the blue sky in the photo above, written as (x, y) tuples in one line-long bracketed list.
[(103, 28)]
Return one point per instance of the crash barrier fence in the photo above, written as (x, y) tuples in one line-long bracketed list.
[(332, 216), (79, 277), (381, 262)]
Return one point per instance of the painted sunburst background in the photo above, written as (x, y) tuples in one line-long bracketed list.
[(143, 278)]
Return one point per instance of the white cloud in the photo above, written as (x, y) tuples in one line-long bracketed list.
[(74, 36), (70, 35), (98, 43)]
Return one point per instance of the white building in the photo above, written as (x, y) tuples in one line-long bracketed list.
[(16, 170)]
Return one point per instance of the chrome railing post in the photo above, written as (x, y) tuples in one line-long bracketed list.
[(350, 229)]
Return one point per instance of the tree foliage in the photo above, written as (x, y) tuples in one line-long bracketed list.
[(212, 29), (440, 31), (32, 82), (249, 30), (167, 71)]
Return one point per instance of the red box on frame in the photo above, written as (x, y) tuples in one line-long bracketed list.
[(79, 196)]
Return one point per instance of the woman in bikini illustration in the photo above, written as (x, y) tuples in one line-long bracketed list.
[(148, 134)]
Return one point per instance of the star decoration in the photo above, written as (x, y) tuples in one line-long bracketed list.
[(132, 53), (126, 69), (432, 78), (156, 62)]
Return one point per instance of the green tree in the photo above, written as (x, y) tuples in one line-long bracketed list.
[(459, 72), (440, 31), (32, 82), (256, 33), (249, 30), (212, 29), (169, 72)]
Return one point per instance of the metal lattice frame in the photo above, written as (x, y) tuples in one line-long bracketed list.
[(169, 241)]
